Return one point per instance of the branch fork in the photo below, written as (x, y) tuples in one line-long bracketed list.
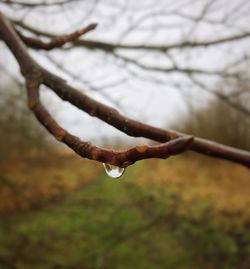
[(172, 143)]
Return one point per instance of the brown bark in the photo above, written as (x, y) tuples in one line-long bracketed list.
[(173, 142)]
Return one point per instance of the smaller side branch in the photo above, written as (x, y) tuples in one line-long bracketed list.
[(87, 150), (57, 41)]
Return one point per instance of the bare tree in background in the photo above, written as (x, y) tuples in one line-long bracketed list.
[(221, 116), (182, 45), (20, 132)]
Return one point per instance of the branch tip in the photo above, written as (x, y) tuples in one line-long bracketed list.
[(92, 26)]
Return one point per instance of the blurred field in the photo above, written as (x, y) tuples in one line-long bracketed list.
[(64, 212), (32, 182), (198, 180)]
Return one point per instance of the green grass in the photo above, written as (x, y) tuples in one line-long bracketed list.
[(117, 224), (101, 226)]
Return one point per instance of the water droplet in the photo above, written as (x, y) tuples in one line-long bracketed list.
[(113, 171)]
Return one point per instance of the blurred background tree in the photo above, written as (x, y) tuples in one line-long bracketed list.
[(21, 134), (218, 120)]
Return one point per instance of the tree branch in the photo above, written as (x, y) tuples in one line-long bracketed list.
[(36, 75)]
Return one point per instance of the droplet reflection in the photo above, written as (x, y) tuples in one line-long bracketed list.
[(113, 171)]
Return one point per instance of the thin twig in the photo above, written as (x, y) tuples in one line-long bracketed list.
[(56, 42)]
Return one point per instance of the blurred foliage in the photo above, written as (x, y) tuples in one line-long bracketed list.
[(31, 183), (20, 132), (211, 209), (187, 212), (223, 119)]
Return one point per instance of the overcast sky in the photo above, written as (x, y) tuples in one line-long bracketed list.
[(154, 97)]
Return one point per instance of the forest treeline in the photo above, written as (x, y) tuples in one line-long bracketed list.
[(221, 119)]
